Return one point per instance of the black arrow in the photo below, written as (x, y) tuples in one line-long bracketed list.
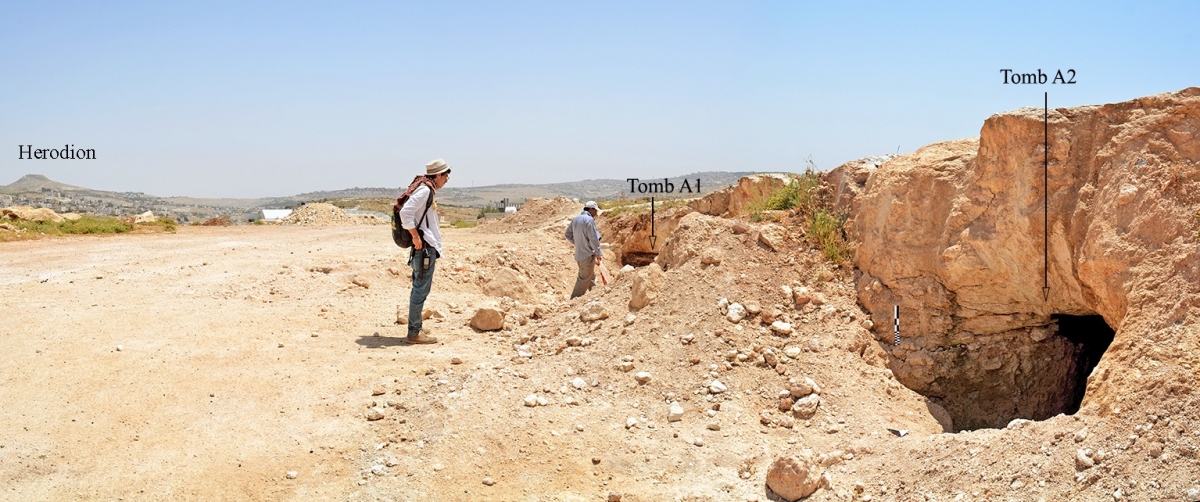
[(1046, 198), (653, 237)]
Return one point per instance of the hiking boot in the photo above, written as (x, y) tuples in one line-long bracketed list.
[(421, 338)]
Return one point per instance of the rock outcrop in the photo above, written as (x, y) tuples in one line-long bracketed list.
[(953, 235)]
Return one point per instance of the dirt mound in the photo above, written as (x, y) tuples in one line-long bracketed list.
[(27, 213), (536, 214), (220, 221), (323, 214), (990, 331)]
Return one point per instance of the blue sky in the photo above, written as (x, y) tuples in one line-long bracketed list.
[(238, 99)]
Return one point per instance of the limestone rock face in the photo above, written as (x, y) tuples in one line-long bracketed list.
[(953, 234), (794, 476), (693, 236), (646, 285)]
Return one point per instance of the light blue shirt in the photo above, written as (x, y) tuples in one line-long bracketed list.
[(582, 231)]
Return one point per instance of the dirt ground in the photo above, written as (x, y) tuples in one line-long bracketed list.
[(241, 363)]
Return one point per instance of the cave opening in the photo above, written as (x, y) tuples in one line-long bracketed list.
[(637, 259), (1091, 336)]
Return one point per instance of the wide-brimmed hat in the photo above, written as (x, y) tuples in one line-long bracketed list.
[(436, 167), (591, 204)]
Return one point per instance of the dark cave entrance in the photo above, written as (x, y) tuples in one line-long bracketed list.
[(638, 259), (1091, 337)]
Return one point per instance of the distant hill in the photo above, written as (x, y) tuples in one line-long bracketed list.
[(35, 183), (40, 191), (710, 181)]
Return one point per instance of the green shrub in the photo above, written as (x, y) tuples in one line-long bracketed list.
[(83, 225), (825, 230)]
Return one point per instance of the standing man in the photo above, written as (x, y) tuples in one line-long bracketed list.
[(420, 218), (582, 231)]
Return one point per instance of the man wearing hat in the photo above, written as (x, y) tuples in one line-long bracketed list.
[(427, 243), (582, 231)]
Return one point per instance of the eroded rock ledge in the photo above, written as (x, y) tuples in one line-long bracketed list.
[(953, 234)]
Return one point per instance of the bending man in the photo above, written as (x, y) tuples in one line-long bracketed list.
[(420, 213)]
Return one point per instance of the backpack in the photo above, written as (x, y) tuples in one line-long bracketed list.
[(401, 236)]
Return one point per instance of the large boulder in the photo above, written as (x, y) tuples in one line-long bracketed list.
[(488, 319), (967, 274), (795, 476), (646, 285)]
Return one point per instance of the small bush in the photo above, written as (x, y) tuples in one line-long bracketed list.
[(83, 225), (825, 229), (167, 224), (464, 224)]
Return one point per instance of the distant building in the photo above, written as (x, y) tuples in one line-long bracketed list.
[(268, 215)]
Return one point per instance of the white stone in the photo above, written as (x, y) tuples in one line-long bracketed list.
[(1083, 458), (675, 414), (531, 400), (542, 401), (792, 352), (629, 319), (781, 327), (642, 377), (292, 474), (736, 312), (806, 406), (716, 387), (698, 441), (579, 383), (631, 422)]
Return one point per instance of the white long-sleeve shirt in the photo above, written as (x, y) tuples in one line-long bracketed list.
[(411, 212)]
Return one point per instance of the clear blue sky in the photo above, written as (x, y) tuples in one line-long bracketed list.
[(224, 99)]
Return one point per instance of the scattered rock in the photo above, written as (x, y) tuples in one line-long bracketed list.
[(716, 387), (773, 236), (675, 413), (488, 319), (1081, 434), (593, 311), (642, 377), (736, 312), (456, 360), (1083, 458), (801, 296), (699, 441), (292, 474), (631, 422), (806, 406), (361, 282), (375, 414), (531, 400), (579, 383), (378, 391), (781, 327), (709, 257), (629, 319), (488, 481)]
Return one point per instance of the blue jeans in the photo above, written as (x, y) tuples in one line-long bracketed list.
[(422, 281)]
